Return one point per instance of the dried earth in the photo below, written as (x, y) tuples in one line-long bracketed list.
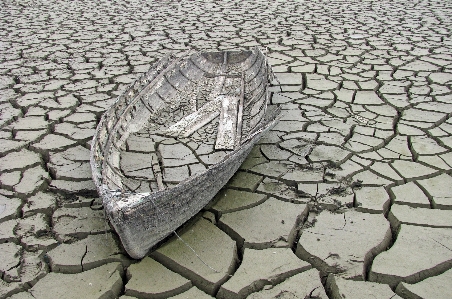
[(349, 196)]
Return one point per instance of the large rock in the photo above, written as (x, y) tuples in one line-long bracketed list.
[(259, 268), (344, 243), (102, 282), (150, 279)]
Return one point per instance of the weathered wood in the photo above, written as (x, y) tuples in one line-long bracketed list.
[(192, 122), (188, 111)]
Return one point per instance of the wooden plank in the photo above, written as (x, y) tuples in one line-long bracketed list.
[(227, 127), (192, 122)]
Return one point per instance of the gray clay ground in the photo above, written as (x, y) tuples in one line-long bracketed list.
[(349, 196)]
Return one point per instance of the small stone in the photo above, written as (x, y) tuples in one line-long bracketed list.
[(253, 274), (102, 282), (150, 279), (261, 227)]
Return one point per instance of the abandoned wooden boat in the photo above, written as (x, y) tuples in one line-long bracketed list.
[(174, 138)]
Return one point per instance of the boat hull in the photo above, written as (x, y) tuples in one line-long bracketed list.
[(224, 95), (141, 226)]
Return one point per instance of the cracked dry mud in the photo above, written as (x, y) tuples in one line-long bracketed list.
[(349, 196)]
